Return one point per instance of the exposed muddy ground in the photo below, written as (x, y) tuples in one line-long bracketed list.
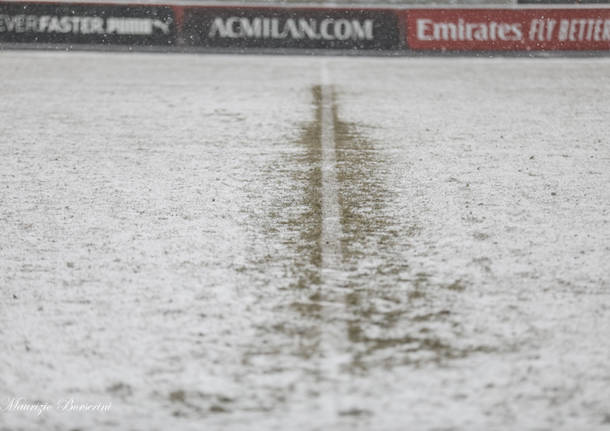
[(161, 253)]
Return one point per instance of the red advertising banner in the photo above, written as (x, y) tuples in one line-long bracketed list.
[(508, 29)]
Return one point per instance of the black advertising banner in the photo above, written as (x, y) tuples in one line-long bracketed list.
[(66, 23), (301, 28)]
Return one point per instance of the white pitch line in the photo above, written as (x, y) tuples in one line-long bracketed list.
[(331, 223), (330, 246)]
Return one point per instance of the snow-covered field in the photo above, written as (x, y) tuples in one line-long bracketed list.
[(173, 255)]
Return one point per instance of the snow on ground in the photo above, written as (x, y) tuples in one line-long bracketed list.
[(161, 222)]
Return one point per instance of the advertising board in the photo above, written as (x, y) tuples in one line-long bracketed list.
[(508, 29), (69, 23), (307, 28)]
